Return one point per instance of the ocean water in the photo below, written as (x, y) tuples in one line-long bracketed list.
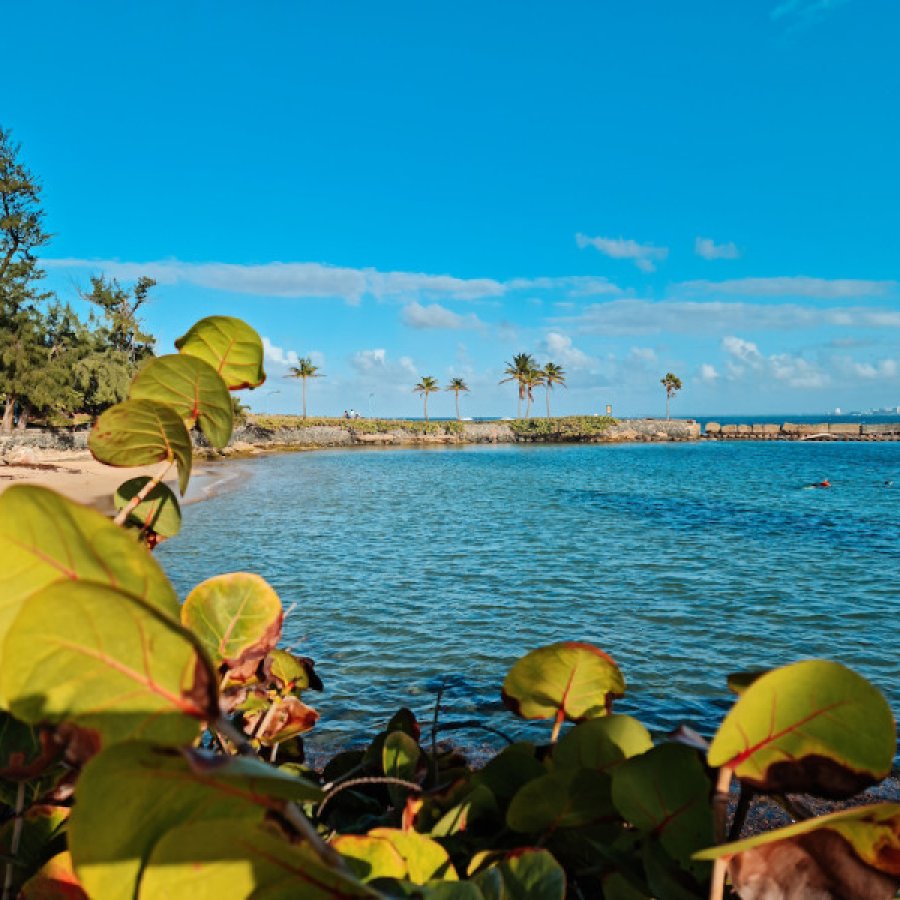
[(412, 568)]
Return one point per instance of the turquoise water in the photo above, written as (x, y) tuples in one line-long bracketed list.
[(685, 562)]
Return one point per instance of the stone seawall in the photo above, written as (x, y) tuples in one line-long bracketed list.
[(789, 431), (250, 438)]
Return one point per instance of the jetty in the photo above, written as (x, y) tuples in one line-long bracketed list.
[(790, 431)]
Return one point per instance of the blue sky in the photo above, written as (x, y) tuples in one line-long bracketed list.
[(407, 189)]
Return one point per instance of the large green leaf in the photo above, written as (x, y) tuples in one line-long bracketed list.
[(602, 743), (46, 538), (511, 768), (237, 618), (814, 726), (527, 874), (567, 798), (852, 853), (872, 831), (370, 857), (567, 680), (131, 795), (665, 793), (142, 432), (230, 859), (108, 662), (424, 858), (193, 389), (55, 880), (230, 346), (157, 512)]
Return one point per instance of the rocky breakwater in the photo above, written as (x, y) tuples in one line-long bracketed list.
[(820, 431)]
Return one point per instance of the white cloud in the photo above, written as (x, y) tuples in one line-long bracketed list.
[(278, 355), (634, 316), (644, 354), (709, 249), (794, 371), (643, 255), (436, 316), (376, 363), (561, 350), (318, 280), (708, 373), (791, 286)]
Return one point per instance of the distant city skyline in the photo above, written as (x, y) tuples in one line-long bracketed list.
[(401, 191)]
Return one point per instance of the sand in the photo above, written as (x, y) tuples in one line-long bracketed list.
[(75, 474)]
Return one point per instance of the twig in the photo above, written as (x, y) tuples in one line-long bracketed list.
[(370, 779), (141, 495), (745, 798), (560, 718), (720, 817), (14, 843), (434, 731)]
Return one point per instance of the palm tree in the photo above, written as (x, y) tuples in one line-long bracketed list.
[(672, 384), (426, 386), (553, 374), (518, 370), (531, 379), (303, 370), (456, 385)]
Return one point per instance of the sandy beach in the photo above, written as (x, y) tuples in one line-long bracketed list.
[(74, 473)]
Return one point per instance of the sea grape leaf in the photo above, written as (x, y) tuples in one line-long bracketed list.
[(602, 743), (158, 511), (566, 798), (665, 793), (370, 857), (451, 890), (509, 770), (193, 389), (55, 880), (233, 859), (290, 673), (567, 680), (617, 887), (525, 874), (399, 759), (478, 803), (812, 727), (107, 662), (130, 795), (140, 432), (230, 346), (290, 718), (237, 618), (666, 877), (45, 538), (873, 833), (424, 858)]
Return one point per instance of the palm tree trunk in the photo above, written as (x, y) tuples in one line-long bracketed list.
[(528, 406), (304, 399), (457, 406), (425, 404), (519, 404), (667, 406), (547, 389)]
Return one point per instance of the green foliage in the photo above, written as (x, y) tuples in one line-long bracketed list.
[(360, 426), (169, 719), (568, 428), (230, 346)]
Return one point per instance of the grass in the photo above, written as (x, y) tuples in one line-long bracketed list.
[(361, 426), (565, 427)]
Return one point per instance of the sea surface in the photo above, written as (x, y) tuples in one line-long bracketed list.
[(416, 568)]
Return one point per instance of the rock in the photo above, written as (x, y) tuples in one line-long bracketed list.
[(713, 427), (22, 456)]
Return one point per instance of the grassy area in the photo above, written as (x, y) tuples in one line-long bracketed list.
[(562, 428), (361, 426)]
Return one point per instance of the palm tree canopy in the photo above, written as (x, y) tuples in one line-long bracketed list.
[(304, 369), (427, 385), (521, 364), (554, 374), (671, 383), (457, 384)]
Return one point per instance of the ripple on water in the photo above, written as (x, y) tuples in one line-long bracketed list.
[(412, 568)]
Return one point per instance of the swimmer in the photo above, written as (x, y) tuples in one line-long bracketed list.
[(824, 483)]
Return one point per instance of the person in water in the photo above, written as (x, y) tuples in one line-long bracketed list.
[(824, 483)]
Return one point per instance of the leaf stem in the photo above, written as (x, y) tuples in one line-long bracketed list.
[(720, 820), (373, 779), (14, 843), (141, 495)]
